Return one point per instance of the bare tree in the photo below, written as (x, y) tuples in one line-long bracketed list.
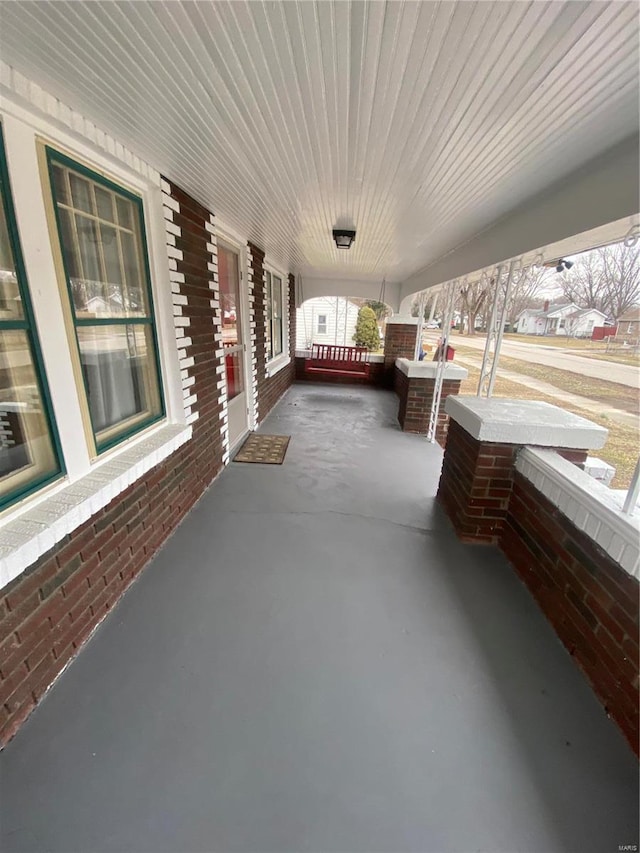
[(472, 298), (526, 290), (607, 279)]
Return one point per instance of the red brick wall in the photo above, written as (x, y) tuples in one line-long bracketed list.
[(270, 389), (475, 484), (591, 601), (399, 342), (48, 612), (416, 398)]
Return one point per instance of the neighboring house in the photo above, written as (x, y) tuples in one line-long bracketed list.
[(629, 325), (548, 320), (326, 320), (581, 323)]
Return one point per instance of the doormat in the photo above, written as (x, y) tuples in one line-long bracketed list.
[(266, 449)]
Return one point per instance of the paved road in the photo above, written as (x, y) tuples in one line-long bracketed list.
[(624, 374)]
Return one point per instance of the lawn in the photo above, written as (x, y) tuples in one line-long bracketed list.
[(622, 446), (581, 346), (609, 393)]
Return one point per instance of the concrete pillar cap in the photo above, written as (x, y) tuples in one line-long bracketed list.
[(505, 421)]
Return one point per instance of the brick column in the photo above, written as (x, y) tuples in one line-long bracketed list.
[(414, 383), (399, 342), (483, 439)]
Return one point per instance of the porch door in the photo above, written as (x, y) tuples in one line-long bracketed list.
[(231, 307)]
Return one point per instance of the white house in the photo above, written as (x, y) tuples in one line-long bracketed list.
[(581, 323), (326, 320), (548, 320)]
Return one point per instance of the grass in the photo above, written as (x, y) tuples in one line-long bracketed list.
[(582, 346), (621, 448), (608, 393)]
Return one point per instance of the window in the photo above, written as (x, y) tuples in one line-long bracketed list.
[(102, 242), (29, 450), (322, 324), (273, 315)]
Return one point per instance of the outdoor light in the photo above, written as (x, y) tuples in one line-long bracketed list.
[(562, 265), (344, 239)]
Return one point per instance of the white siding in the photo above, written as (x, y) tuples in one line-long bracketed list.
[(341, 315)]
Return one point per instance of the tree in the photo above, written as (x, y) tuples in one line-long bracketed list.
[(607, 279), (367, 334), (380, 309), (472, 298), (526, 291)]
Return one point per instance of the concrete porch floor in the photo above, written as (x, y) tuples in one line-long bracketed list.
[(313, 662)]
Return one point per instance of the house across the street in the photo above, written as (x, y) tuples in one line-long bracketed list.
[(562, 319), (629, 325)]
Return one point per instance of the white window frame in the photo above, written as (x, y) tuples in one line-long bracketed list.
[(276, 363), (32, 526), (325, 324)]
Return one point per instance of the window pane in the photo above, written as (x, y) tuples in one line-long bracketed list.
[(125, 212), (268, 312), (10, 301), (229, 280), (80, 193), (60, 185), (277, 315), (233, 368), (87, 230), (27, 454), (104, 204), (121, 378), (134, 274), (104, 258)]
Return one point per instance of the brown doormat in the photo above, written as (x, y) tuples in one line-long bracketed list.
[(267, 449)]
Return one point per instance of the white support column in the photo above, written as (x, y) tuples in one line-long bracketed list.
[(434, 302), (496, 331), (451, 292), (420, 326)]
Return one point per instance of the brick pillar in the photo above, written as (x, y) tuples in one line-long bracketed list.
[(399, 342), (482, 443), (414, 383)]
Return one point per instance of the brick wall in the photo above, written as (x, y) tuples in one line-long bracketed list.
[(399, 342), (475, 484), (591, 601), (415, 400), (269, 388), (48, 612)]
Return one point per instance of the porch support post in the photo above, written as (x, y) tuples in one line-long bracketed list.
[(495, 332), (482, 443), (451, 290), (415, 385), (399, 342)]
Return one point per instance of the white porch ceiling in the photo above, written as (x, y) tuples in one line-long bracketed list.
[(418, 123)]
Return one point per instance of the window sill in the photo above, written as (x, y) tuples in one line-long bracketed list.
[(24, 539), (275, 365)]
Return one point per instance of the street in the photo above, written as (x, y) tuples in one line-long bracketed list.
[(624, 374)]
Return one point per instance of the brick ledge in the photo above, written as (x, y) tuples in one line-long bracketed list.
[(26, 538), (595, 509)]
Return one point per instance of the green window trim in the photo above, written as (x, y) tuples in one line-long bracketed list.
[(28, 325), (146, 321)]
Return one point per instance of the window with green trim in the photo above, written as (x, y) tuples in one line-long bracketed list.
[(104, 253), (273, 314), (29, 449)]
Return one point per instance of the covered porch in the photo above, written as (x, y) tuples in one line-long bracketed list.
[(313, 661)]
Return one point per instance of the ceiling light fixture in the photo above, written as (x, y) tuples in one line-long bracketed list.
[(344, 239)]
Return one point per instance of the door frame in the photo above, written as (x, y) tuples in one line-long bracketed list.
[(237, 244)]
